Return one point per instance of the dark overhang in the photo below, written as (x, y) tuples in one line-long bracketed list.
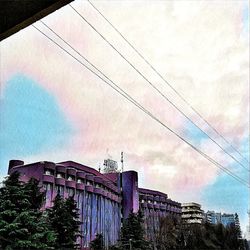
[(18, 14)]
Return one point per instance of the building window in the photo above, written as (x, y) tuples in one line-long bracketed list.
[(149, 201), (88, 183), (142, 201), (155, 202)]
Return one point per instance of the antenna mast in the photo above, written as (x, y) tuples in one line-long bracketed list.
[(122, 161)]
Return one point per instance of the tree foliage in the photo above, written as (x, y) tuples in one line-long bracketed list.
[(97, 243), (65, 223), (132, 233), (22, 224), (174, 235), (167, 233)]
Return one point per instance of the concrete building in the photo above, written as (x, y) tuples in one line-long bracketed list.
[(154, 206), (225, 219), (213, 217), (103, 199), (191, 213)]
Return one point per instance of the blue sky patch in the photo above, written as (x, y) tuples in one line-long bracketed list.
[(31, 121)]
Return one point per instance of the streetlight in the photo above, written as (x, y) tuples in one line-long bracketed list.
[(130, 244)]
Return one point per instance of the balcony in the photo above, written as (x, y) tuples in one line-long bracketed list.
[(193, 216), (89, 189), (89, 177), (162, 199), (81, 175), (80, 186), (143, 196), (71, 171), (60, 181), (60, 169), (150, 198), (191, 221), (163, 207), (98, 180), (48, 178), (157, 198), (50, 165), (156, 206), (150, 205), (70, 184), (98, 190)]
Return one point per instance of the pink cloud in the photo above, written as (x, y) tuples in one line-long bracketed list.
[(202, 67)]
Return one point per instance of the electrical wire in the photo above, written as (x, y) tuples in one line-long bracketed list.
[(167, 82), (153, 86), (130, 99)]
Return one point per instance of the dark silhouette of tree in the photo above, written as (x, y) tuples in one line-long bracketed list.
[(132, 234), (97, 243), (237, 225), (166, 237), (64, 221), (22, 224)]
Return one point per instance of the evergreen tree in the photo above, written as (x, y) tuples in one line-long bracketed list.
[(22, 224), (237, 225), (97, 243), (64, 221), (132, 232)]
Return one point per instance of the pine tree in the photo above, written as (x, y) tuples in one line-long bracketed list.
[(132, 232), (237, 225), (22, 224), (64, 220)]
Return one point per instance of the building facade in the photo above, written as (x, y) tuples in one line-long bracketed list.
[(103, 199), (154, 206), (225, 219), (191, 213)]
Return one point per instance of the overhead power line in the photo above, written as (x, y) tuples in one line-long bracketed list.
[(154, 87), (170, 85), (118, 89), (164, 79)]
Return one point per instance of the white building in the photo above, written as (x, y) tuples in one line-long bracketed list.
[(191, 213)]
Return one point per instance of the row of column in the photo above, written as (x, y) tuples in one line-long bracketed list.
[(98, 216)]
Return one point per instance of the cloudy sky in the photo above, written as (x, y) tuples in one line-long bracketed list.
[(52, 108)]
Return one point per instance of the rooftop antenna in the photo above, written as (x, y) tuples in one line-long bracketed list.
[(122, 161), (99, 169), (108, 155)]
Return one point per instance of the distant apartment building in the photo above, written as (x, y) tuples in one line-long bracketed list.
[(103, 199), (191, 213), (225, 219), (212, 217)]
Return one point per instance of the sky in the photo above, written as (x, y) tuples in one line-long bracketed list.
[(52, 108)]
